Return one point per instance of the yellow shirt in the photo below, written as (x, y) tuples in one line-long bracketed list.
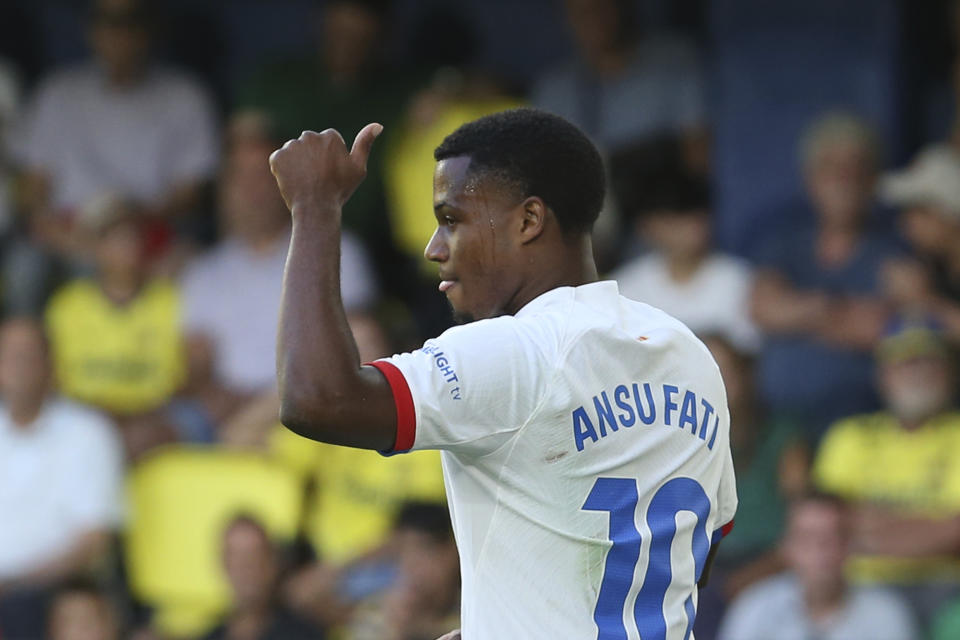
[(872, 458), (124, 359), (358, 492)]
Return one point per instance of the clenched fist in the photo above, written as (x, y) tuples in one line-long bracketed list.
[(316, 170)]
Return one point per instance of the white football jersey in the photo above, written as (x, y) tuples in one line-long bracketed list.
[(587, 461)]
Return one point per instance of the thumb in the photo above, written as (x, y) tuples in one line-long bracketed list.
[(363, 143)]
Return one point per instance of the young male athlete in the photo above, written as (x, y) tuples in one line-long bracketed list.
[(584, 435)]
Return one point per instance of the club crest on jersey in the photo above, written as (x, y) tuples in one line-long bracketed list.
[(628, 405)]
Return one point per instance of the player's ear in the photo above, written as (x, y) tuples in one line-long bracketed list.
[(533, 216)]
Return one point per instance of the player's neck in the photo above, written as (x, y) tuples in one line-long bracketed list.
[(571, 267)]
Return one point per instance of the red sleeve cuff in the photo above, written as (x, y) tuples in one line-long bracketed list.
[(725, 529), (403, 401), (721, 533)]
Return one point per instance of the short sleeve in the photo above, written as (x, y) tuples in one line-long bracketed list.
[(472, 388), (727, 496), (97, 497)]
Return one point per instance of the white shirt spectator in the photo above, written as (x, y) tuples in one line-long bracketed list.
[(774, 610), (60, 477), (232, 295), (716, 299), (140, 141)]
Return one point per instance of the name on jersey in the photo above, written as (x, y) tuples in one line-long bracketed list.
[(632, 405)]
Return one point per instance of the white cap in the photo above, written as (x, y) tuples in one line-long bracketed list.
[(932, 178)]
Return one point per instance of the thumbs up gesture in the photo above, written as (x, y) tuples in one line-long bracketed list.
[(317, 171)]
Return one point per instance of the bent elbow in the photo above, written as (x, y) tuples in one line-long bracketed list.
[(301, 417)]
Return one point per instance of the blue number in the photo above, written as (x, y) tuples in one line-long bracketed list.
[(619, 497)]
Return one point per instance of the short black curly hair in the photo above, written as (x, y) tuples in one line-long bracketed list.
[(542, 155)]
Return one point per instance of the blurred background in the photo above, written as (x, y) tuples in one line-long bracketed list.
[(784, 178)]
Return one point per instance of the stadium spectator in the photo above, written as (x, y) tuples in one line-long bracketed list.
[(115, 123), (817, 290), (81, 611), (116, 337), (239, 322), (813, 600), (344, 85), (424, 600), (60, 483), (900, 471), (253, 566), (707, 290), (771, 462), (928, 194), (616, 70)]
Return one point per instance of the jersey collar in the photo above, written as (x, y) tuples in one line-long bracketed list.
[(600, 291)]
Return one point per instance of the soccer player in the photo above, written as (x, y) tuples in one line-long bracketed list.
[(584, 436)]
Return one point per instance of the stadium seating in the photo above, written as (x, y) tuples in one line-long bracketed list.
[(180, 501)]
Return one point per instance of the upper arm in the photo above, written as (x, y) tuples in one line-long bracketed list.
[(365, 418)]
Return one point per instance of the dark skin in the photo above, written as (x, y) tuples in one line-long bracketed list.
[(496, 251)]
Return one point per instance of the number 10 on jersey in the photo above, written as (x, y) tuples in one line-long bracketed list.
[(619, 497)]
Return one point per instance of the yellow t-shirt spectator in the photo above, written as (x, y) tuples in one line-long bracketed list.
[(358, 493), (871, 458), (125, 359)]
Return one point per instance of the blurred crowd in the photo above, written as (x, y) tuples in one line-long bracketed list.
[(146, 488)]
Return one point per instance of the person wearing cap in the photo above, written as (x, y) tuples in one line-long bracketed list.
[(117, 122), (116, 337), (928, 196), (900, 470)]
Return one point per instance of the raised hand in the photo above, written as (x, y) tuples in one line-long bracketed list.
[(317, 171)]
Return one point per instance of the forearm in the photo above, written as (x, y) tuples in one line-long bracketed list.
[(779, 309), (317, 359), (910, 537)]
